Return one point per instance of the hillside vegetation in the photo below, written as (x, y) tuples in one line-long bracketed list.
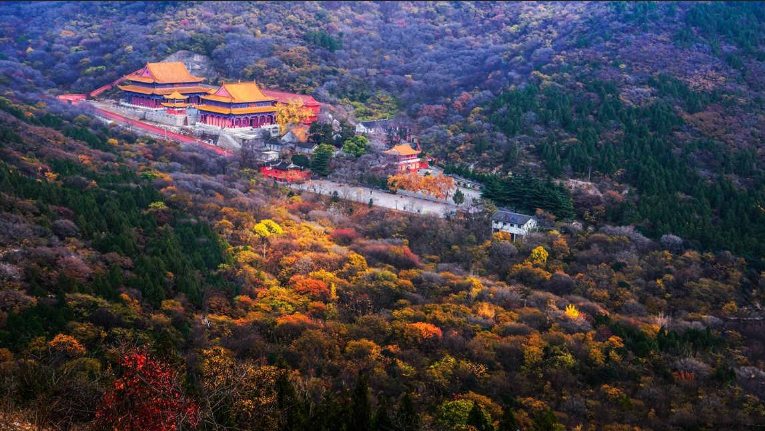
[(659, 102), (131, 268), (148, 286)]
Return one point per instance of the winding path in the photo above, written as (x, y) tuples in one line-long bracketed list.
[(159, 131)]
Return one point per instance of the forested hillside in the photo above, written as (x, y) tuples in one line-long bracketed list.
[(661, 103), (165, 288), (145, 285)]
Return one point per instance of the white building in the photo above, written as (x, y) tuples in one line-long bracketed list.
[(267, 155), (367, 127), (276, 145), (515, 224), (306, 148), (395, 129)]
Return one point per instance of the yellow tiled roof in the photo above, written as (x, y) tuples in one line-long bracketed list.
[(176, 96), (144, 79), (402, 150), (165, 73), (240, 92)]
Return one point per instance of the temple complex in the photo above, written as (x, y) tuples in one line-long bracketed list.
[(169, 88), (405, 158), (149, 86), (237, 105)]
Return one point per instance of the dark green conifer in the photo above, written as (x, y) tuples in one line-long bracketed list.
[(479, 419), (508, 422), (360, 418), (406, 417)]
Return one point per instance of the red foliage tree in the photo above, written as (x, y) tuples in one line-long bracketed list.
[(316, 289), (147, 397), (344, 236), (400, 256)]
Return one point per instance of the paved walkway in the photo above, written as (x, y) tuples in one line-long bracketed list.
[(159, 132), (379, 197)]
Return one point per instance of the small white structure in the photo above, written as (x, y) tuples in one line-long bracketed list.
[(273, 129), (306, 148), (267, 155), (515, 224), (395, 129), (364, 128), (276, 145)]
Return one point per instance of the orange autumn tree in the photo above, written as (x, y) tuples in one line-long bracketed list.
[(417, 333), (409, 181), (67, 345), (437, 186), (315, 289)]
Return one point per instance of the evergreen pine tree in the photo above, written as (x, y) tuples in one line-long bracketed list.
[(478, 419), (546, 422), (321, 158), (293, 416), (382, 421), (360, 418), (508, 422), (406, 417), (459, 197), (329, 415)]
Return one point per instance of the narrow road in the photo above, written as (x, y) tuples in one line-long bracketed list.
[(159, 131)]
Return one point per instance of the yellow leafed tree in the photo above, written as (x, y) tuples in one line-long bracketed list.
[(291, 113), (538, 256), (264, 230), (572, 312)]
